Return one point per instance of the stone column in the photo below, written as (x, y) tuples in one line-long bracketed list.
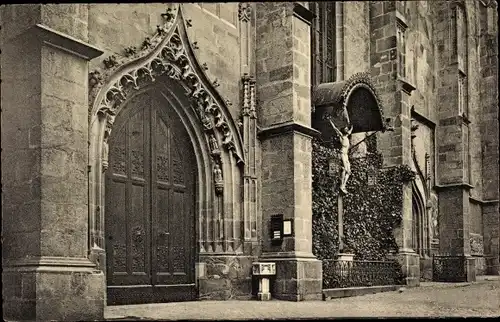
[(284, 114), (394, 92), (47, 275)]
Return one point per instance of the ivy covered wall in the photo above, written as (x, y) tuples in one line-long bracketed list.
[(372, 205)]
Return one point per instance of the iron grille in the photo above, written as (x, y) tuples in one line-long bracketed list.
[(342, 273), (449, 268)]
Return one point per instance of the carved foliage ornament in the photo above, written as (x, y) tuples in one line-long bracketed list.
[(170, 58), (244, 11)]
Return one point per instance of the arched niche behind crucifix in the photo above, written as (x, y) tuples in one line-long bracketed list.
[(340, 109)]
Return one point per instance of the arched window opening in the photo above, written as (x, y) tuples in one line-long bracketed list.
[(420, 224), (323, 67)]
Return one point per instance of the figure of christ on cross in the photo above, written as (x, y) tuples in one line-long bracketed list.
[(343, 135)]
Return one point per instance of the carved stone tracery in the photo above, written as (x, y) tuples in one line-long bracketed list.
[(171, 59)]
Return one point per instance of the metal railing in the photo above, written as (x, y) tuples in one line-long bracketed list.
[(449, 268), (342, 273)]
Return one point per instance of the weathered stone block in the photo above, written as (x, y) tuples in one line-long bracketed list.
[(56, 295)]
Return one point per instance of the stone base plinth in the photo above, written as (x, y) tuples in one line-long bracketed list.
[(480, 263), (471, 269), (297, 279), (426, 268), (410, 267), (454, 268), (264, 296), (53, 289), (225, 277)]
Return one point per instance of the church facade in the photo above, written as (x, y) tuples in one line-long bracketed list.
[(146, 148)]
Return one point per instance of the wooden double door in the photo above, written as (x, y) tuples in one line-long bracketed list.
[(150, 206)]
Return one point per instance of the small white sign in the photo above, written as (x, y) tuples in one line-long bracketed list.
[(287, 227)]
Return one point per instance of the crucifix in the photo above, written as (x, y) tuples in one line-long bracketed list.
[(343, 135)]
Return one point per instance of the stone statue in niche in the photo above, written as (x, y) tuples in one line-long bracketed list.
[(435, 227), (105, 152), (434, 218), (214, 146), (206, 122), (219, 180), (343, 135)]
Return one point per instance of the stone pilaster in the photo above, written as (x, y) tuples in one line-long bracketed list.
[(394, 92), (284, 111), (451, 138), (47, 275), (489, 135)]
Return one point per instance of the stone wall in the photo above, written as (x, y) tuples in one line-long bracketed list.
[(356, 37)]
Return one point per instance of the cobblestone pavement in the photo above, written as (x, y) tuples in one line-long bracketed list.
[(480, 299)]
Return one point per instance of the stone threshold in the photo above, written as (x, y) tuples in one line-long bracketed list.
[(333, 293)]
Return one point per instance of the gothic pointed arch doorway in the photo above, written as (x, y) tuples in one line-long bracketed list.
[(166, 69), (150, 206)]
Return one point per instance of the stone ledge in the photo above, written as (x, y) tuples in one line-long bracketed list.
[(461, 185), (65, 42), (333, 293), (483, 202), (406, 87), (422, 118), (286, 127), (303, 13), (49, 263)]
